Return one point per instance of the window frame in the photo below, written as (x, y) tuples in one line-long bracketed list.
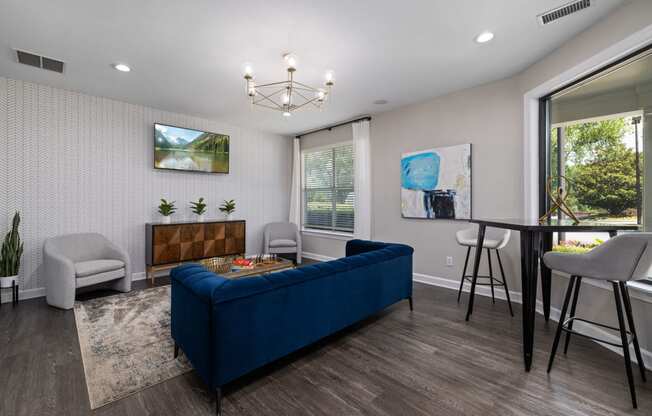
[(332, 232)]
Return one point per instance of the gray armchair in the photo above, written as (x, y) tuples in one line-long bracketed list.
[(80, 260), (282, 238)]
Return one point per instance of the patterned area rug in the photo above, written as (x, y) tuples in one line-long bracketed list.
[(125, 344)]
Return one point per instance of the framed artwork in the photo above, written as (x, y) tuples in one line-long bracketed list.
[(436, 183)]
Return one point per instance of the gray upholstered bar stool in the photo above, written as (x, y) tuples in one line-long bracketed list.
[(619, 260), (494, 240)]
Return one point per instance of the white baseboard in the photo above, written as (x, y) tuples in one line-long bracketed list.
[(23, 294), (516, 297), (315, 256), (138, 276)]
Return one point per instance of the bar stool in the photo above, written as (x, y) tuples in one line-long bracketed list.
[(494, 240), (620, 259)]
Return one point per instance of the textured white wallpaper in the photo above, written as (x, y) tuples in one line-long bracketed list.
[(71, 163)]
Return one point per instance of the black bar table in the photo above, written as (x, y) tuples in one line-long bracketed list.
[(536, 239)]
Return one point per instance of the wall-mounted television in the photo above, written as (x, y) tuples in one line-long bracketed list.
[(178, 148)]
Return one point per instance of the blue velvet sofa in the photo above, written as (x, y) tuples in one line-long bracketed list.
[(228, 328)]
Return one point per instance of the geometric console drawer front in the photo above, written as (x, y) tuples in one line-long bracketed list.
[(191, 241)]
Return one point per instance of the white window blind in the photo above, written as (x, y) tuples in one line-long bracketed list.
[(328, 196)]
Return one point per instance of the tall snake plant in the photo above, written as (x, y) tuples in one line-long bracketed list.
[(12, 249)]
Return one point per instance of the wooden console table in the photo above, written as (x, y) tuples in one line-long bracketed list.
[(168, 245)]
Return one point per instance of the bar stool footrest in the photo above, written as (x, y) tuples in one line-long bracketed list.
[(564, 327), (497, 282)]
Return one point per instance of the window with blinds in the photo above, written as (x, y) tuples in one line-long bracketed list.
[(328, 196)]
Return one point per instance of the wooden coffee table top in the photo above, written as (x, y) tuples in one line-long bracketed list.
[(260, 268)]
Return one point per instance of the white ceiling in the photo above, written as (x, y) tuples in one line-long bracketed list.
[(187, 56)]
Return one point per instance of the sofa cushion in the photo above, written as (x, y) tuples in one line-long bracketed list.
[(282, 243), (91, 267)]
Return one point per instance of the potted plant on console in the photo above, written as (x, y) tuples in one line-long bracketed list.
[(199, 208), (12, 250), (166, 209), (228, 208)]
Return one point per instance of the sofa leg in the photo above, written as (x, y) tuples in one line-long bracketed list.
[(411, 305), (176, 350), (218, 401)]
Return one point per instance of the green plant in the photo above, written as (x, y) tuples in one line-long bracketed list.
[(166, 208), (228, 206), (198, 207), (576, 247), (12, 249)]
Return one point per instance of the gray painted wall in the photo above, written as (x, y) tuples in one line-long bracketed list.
[(487, 117), (71, 162)]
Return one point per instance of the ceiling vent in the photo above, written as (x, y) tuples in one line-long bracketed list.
[(563, 11), (31, 59)]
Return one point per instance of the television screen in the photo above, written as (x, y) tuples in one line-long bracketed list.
[(177, 148)]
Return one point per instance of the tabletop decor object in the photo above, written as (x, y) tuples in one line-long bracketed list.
[(199, 208), (436, 183), (228, 208), (558, 198), (166, 209), (217, 264)]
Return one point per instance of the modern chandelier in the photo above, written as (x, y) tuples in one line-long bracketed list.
[(290, 95)]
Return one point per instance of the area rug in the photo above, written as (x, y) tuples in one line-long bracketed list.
[(126, 344)]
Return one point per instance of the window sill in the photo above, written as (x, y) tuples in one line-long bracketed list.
[(643, 290), (327, 234)]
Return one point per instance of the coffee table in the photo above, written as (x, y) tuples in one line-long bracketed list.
[(260, 268)]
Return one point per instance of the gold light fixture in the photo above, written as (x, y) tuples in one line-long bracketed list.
[(290, 95)]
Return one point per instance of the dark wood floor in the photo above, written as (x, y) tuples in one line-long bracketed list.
[(428, 362)]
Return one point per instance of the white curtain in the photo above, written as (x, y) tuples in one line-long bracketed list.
[(295, 194), (362, 180)]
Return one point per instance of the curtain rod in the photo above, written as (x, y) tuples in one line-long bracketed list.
[(329, 128)]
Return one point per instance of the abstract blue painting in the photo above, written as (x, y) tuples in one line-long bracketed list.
[(436, 183)]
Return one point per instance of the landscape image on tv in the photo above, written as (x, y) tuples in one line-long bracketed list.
[(193, 150)]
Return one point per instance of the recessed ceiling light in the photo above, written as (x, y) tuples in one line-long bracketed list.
[(122, 67), (484, 37), (380, 102), (287, 114)]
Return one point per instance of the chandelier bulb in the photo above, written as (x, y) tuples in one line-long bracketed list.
[(291, 61), (330, 78), (248, 71)]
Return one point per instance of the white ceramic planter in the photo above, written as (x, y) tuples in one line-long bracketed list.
[(166, 219), (5, 282), (229, 217), (200, 218)]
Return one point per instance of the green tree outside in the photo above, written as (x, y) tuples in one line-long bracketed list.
[(601, 167)]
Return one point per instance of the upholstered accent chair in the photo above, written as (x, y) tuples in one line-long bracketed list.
[(79, 260), (282, 238)]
